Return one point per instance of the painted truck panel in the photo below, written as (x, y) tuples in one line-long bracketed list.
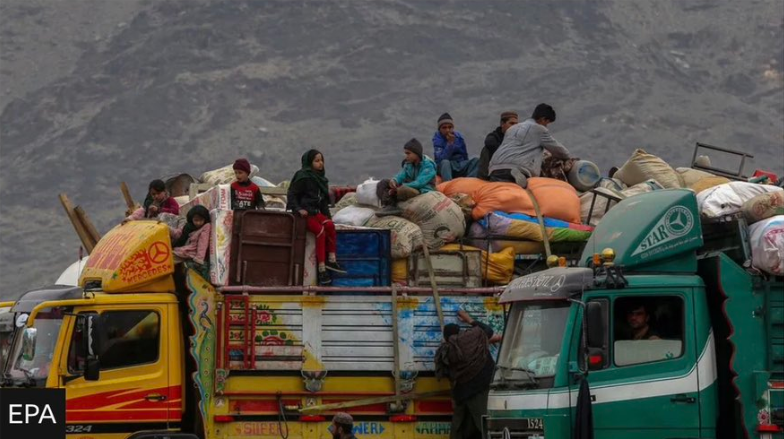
[(312, 350)]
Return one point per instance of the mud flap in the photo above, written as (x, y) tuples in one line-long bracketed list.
[(583, 426)]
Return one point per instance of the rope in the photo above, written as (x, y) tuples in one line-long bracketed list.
[(282, 415), (545, 238)]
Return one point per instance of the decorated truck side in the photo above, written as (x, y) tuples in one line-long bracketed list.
[(675, 336), (145, 349)]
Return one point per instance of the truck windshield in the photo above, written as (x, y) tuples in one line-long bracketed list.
[(532, 345), (34, 372)]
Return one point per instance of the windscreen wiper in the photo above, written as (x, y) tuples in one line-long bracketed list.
[(528, 372), (29, 379)]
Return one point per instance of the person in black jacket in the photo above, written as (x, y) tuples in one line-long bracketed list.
[(308, 196), (493, 141), (464, 356)]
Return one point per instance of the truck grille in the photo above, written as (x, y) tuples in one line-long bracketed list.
[(520, 428)]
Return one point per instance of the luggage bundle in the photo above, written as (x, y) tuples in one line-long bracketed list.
[(506, 215), (762, 206)]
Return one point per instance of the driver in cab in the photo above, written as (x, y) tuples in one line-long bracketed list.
[(638, 320)]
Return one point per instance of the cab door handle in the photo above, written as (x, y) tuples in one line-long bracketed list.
[(683, 398), (155, 397)]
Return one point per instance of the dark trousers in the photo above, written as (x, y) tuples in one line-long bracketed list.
[(509, 176), (467, 417)]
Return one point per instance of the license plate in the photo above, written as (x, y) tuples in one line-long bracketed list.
[(535, 424)]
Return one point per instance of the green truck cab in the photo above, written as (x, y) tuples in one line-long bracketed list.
[(675, 337)]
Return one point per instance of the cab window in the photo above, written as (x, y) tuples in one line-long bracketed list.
[(647, 329), (129, 338)]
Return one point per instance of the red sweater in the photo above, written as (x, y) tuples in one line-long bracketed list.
[(169, 205), (245, 196)]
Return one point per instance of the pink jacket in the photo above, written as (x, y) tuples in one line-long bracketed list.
[(197, 246), (169, 206)]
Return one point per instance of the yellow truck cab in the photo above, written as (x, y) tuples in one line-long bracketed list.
[(144, 350)]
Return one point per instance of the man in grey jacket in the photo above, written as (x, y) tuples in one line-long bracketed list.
[(520, 155)]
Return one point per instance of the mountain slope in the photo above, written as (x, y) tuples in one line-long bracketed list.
[(189, 86)]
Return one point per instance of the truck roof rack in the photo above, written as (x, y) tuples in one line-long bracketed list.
[(734, 175), (727, 234)]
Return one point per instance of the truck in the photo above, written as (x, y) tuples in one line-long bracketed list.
[(146, 348), (663, 324)]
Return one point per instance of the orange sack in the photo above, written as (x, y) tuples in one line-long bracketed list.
[(557, 199), (461, 186)]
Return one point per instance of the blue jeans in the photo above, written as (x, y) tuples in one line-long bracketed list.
[(449, 169)]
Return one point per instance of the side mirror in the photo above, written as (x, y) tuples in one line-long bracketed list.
[(596, 334), (28, 343), (92, 369), (596, 325), (91, 331)]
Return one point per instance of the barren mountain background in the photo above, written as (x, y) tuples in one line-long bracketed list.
[(95, 92)]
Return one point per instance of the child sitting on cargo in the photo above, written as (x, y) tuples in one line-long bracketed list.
[(418, 176), (157, 201), (245, 195), (308, 196), (192, 241)]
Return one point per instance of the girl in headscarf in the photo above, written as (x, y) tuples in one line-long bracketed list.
[(157, 201), (308, 197), (192, 241)]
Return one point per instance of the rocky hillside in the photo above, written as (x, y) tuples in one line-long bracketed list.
[(94, 93)]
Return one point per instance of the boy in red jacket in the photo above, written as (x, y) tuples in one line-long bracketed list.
[(245, 195)]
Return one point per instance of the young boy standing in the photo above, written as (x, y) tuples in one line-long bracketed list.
[(245, 195)]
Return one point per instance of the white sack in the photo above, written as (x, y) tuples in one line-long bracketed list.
[(767, 245), (366, 193), (728, 198), (354, 216)]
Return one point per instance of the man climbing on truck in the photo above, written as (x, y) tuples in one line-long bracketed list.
[(465, 358), (342, 426), (520, 155)]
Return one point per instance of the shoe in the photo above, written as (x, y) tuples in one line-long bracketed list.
[(389, 211), (324, 278), (334, 266)]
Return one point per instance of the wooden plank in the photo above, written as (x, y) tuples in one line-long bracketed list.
[(334, 322), (127, 196), (87, 241), (311, 337), (364, 336), (395, 343), (87, 224), (352, 350), (436, 296), (364, 365), (369, 401)]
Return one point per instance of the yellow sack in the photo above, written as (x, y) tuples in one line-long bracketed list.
[(496, 267), (400, 271), (708, 182)]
